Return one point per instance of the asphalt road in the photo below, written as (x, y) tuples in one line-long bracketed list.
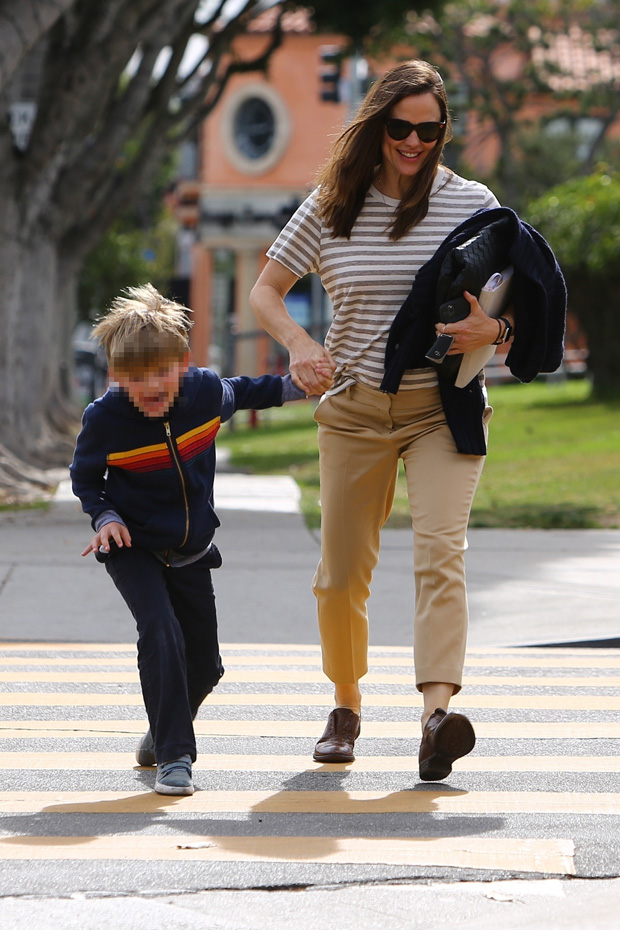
[(525, 831)]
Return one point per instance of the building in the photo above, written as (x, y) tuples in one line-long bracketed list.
[(259, 154)]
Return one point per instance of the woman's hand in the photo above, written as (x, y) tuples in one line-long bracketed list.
[(311, 366), (475, 331)]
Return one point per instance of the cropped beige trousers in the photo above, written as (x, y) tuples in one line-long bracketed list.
[(362, 435)]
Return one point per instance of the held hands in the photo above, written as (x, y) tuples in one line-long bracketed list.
[(116, 531), (475, 331), (312, 367)]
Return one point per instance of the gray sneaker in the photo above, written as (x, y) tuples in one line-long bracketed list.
[(175, 776), (145, 753)]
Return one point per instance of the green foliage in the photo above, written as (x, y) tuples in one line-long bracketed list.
[(137, 248), (363, 19), (126, 256), (581, 221), (542, 161)]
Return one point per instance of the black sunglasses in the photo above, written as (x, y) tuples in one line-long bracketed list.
[(399, 129)]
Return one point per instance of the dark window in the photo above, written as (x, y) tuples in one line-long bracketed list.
[(254, 127)]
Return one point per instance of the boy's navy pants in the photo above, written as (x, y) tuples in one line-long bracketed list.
[(178, 651)]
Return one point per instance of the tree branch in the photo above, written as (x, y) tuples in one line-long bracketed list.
[(22, 23), (97, 182)]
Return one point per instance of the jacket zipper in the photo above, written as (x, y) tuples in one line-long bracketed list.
[(175, 457)]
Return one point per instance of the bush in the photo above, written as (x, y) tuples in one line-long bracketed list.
[(581, 221)]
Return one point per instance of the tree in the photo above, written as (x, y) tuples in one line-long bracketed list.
[(100, 131), (506, 64), (95, 95), (366, 19), (581, 220)]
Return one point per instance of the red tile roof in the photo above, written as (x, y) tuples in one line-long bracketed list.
[(292, 21), (576, 63)]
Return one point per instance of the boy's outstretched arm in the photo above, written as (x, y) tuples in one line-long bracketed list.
[(244, 393)]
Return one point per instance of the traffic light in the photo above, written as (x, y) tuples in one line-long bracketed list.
[(187, 203), (330, 73)]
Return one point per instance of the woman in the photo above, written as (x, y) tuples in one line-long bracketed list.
[(383, 206)]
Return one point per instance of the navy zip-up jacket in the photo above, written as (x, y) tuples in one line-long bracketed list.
[(157, 473)]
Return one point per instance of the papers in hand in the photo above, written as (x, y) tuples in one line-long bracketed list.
[(493, 299)]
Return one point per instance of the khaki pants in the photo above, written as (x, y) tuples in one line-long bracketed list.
[(362, 435)]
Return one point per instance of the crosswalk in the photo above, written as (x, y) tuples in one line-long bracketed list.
[(539, 795)]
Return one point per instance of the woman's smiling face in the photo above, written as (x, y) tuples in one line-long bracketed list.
[(401, 161)]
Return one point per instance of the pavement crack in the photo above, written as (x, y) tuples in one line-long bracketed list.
[(7, 578)]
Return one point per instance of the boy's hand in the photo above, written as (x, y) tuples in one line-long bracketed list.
[(324, 370), (116, 531)]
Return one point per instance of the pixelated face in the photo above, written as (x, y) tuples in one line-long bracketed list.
[(154, 390)]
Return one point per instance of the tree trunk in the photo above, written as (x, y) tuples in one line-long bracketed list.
[(34, 348), (595, 301)]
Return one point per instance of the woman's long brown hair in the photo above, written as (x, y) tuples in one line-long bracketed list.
[(356, 154)]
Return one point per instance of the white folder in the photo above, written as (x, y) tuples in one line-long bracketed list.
[(493, 299)]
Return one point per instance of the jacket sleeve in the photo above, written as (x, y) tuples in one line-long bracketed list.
[(243, 393), (88, 469), (540, 303)]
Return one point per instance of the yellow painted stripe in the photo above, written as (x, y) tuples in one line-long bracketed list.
[(463, 701), (489, 853), (61, 677), (67, 662), (310, 666), (551, 661), (54, 729), (571, 682), (292, 648), (66, 699), (40, 646), (121, 761), (545, 681), (446, 801), (541, 651), (264, 676), (243, 676), (313, 661)]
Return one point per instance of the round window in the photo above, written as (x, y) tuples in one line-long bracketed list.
[(255, 127)]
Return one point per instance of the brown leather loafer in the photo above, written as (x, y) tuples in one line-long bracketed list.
[(446, 737), (336, 744)]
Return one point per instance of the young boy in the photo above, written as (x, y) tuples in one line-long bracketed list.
[(143, 469)]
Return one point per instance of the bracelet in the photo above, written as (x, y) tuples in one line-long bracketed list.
[(507, 329)]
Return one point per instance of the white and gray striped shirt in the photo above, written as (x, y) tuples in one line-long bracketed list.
[(368, 276)]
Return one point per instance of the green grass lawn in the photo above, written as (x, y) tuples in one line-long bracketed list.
[(554, 457)]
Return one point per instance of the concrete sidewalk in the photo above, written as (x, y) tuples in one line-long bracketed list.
[(525, 586)]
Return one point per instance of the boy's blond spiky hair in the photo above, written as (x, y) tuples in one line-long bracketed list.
[(143, 328)]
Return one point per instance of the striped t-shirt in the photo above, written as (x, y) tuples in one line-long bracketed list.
[(368, 276)]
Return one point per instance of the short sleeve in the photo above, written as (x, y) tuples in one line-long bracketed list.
[(299, 244), (490, 200)]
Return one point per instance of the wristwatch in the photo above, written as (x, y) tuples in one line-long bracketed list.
[(507, 331)]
